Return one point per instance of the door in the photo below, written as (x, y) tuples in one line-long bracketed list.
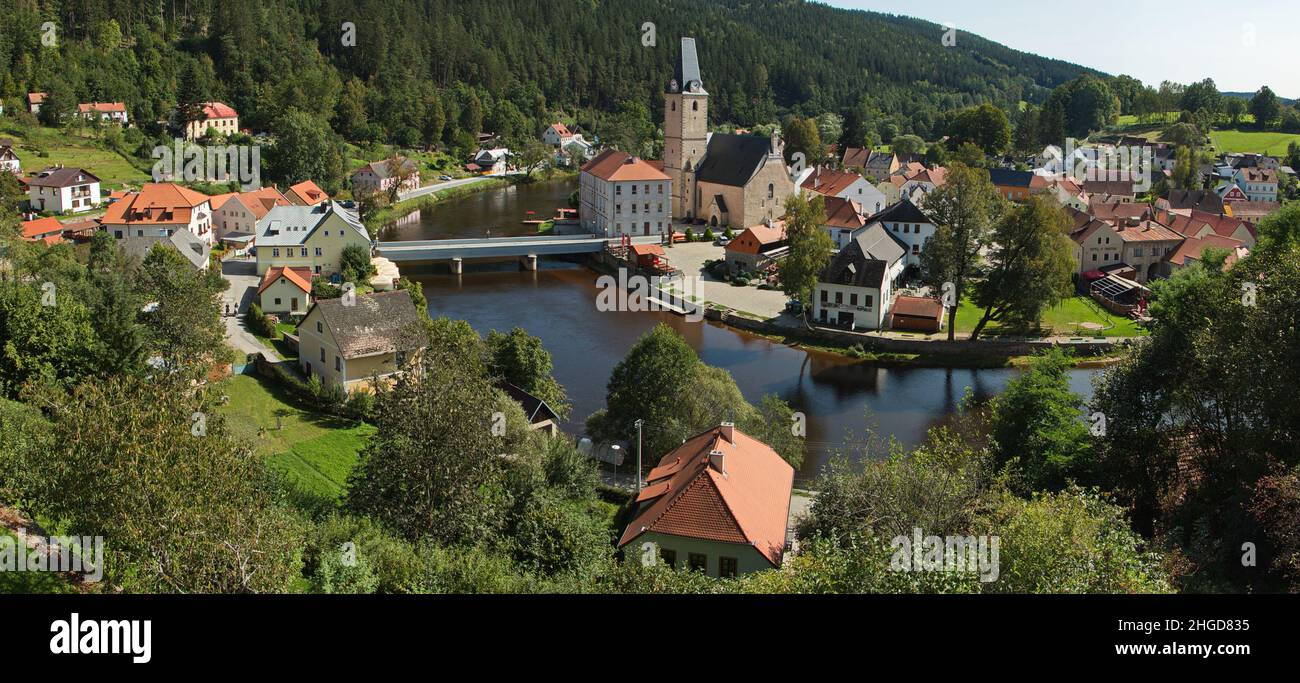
[(293, 304)]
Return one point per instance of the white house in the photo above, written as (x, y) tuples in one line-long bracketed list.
[(493, 161), (35, 100), (58, 189), (845, 185), (557, 134), (1259, 184), (9, 160), (158, 211), (856, 288), (380, 176), (909, 224), (216, 115), (114, 112), (623, 195), (235, 215)]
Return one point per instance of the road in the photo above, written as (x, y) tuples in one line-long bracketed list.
[(448, 184), (242, 276)]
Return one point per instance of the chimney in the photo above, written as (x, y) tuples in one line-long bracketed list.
[(728, 431), (717, 462)]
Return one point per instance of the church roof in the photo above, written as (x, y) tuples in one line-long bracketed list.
[(688, 66), (732, 159)]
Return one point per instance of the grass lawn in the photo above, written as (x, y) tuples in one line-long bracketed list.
[(1258, 141), (41, 147), (1064, 319), (278, 345), (316, 452)]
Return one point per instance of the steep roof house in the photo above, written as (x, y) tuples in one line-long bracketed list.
[(855, 290), (58, 189), (719, 504), (348, 344), (306, 193), (311, 237), (157, 211)]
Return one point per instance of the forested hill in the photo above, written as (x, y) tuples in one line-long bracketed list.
[(519, 60)]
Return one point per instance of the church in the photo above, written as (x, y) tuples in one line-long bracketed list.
[(717, 178)]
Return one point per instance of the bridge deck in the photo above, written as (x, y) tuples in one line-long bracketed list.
[(497, 247)]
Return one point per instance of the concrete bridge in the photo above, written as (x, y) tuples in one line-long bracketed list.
[(526, 248)]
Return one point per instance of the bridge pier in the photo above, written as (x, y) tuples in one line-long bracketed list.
[(457, 266), (529, 262)]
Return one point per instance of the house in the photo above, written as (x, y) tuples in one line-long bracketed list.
[(1016, 186), (854, 291), (918, 313), (493, 161), (311, 237), (35, 100), (158, 211), (60, 189), (1192, 250), (1107, 190), (719, 504), (619, 194), (1259, 184), (845, 185), (718, 178), (874, 165), (195, 251), (305, 193), (1231, 193), (648, 255), (218, 116), (1251, 212), (539, 415), (47, 230), (923, 182), (113, 112), (757, 248), (350, 344), (381, 176), (1200, 224), (1186, 200), (235, 214), (1137, 245), (557, 135), (9, 160), (843, 217), (909, 224), (285, 291)]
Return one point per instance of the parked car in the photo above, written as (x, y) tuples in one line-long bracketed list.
[(794, 307), (722, 241), (444, 177)]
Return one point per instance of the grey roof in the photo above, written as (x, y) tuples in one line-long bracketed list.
[(62, 177), (901, 212), (1010, 177), (292, 225), (195, 250), (733, 159), (381, 168), (1201, 200), (372, 324), (864, 261), (535, 409), (688, 66)]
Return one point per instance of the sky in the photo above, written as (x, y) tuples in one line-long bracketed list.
[(1242, 44)]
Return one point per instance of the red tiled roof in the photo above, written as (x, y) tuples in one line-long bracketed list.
[(755, 237), (918, 307), (218, 110), (647, 250), (746, 502), (43, 229), (561, 129), (613, 165), (829, 181), (156, 203), (1193, 247), (309, 192), (102, 107), (300, 277), (844, 213)]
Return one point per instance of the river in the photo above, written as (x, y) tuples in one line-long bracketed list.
[(839, 396)]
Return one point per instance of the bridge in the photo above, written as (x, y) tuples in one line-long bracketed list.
[(527, 248)]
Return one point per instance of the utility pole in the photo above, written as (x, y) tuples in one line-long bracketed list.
[(638, 454)]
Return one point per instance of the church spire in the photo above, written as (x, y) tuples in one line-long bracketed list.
[(686, 77)]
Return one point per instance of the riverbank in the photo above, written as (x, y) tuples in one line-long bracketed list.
[(390, 215)]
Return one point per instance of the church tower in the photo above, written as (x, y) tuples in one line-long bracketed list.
[(686, 129)]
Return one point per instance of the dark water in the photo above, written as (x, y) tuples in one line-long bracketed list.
[(499, 211), (840, 396)]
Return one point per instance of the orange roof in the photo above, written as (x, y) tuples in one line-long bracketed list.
[(219, 200), (259, 202), (647, 250), (36, 97), (829, 181), (918, 307), (155, 203), (613, 165), (43, 229), (300, 277), (218, 110), (755, 237), (745, 499), (308, 192), (103, 107), (1193, 247), (561, 129), (844, 213)]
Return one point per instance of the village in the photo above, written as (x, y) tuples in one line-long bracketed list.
[(913, 253)]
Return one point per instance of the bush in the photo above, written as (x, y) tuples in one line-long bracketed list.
[(708, 234), (690, 235), (258, 323)]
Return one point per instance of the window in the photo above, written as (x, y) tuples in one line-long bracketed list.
[(824, 299), (916, 249), (695, 106), (275, 253), (277, 301), (907, 228), (338, 364), (318, 251), (866, 300), (669, 557), (771, 190), (697, 562), (726, 566), (304, 251), (320, 329), (853, 299), (322, 354), (839, 297)]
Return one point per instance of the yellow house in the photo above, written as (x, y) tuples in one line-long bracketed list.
[(285, 291), (352, 339), (311, 237)]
